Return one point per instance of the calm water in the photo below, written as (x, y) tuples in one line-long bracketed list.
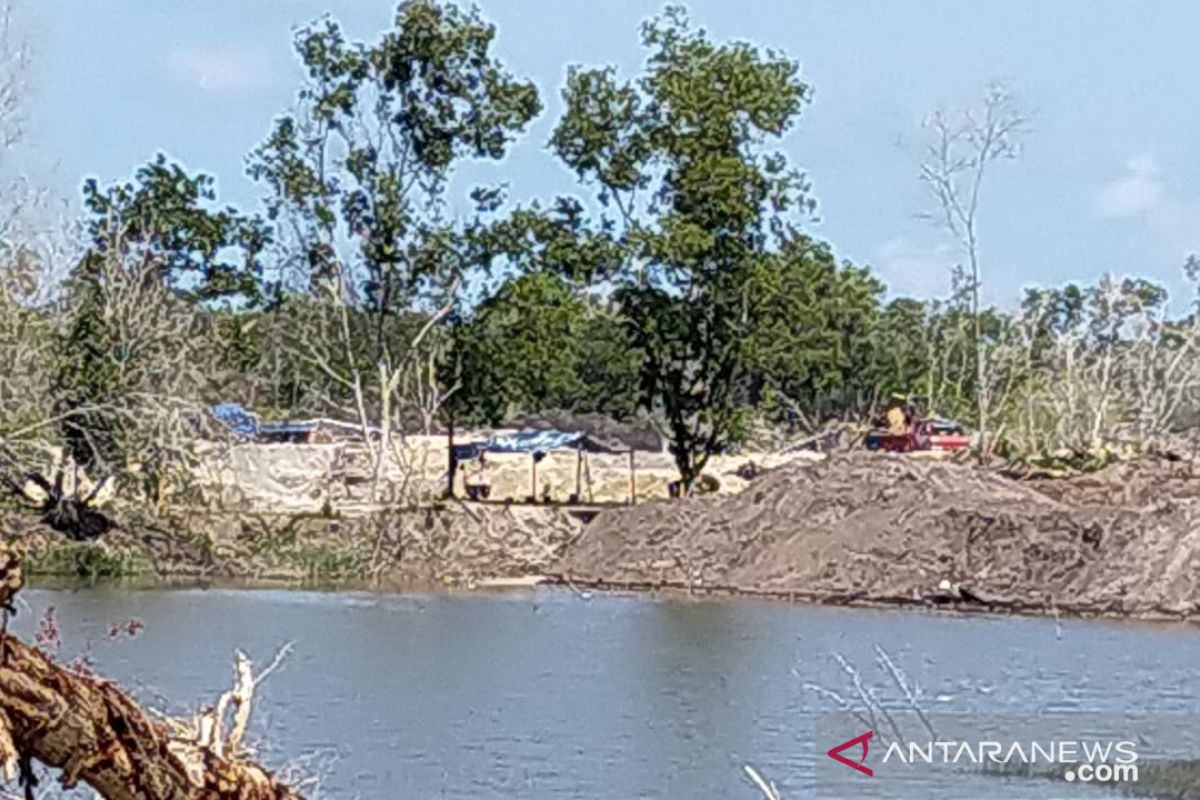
[(554, 695)]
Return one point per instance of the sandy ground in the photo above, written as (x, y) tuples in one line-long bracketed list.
[(607, 478), (311, 477), (891, 529)]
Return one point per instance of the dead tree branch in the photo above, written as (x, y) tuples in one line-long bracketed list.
[(96, 734)]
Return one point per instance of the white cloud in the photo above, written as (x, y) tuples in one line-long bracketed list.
[(1138, 192), (916, 269), (1141, 193), (221, 70)]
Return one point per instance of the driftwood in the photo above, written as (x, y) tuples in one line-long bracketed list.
[(96, 734), (65, 512)]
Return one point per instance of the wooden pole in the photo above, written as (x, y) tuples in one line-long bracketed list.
[(533, 477), (579, 473), (632, 481), (452, 460), (587, 466)]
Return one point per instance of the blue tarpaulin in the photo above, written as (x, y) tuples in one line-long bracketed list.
[(468, 452), (533, 442), (285, 428), (522, 442), (236, 419), (245, 425)]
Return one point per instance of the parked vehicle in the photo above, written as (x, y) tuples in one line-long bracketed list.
[(933, 433), (945, 434)]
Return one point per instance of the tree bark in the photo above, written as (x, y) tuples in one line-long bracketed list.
[(95, 733)]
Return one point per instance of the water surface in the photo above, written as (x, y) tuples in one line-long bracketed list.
[(550, 694)]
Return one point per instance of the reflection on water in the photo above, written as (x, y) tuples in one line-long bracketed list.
[(549, 695)]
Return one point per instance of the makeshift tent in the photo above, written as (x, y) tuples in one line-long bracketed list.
[(534, 442), (245, 425), (603, 434), (521, 442), (538, 443)]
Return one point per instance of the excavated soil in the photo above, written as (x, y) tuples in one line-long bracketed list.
[(873, 528), (852, 528)]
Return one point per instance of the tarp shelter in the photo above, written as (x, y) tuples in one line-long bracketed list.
[(237, 420), (246, 425), (521, 442), (537, 443), (603, 433), (534, 442)]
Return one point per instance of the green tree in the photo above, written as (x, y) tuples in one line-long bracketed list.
[(560, 240), (680, 162), (133, 351), (169, 218), (610, 365), (525, 347), (811, 326), (537, 345), (900, 354), (358, 177)]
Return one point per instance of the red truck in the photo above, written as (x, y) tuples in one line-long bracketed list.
[(932, 433)]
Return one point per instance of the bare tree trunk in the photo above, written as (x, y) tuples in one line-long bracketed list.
[(451, 459), (961, 147), (982, 387)]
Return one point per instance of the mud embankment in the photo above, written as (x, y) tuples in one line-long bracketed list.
[(860, 528), (868, 528), (453, 545)]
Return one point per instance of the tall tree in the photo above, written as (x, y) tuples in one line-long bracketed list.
[(33, 255), (170, 218), (358, 175), (679, 159), (811, 326), (900, 355), (134, 350), (962, 146)]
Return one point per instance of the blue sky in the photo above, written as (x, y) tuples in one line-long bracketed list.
[(1109, 180)]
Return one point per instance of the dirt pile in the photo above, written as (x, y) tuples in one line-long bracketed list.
[(874, 528), (1130, 484)]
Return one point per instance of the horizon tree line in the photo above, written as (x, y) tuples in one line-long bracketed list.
[(678, 288)]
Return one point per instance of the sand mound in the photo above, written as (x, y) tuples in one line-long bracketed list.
[(869, 527), (1130, 484)]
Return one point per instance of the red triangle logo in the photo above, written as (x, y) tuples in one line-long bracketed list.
[(836, 753)]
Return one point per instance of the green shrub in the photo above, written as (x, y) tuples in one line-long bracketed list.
[(88, 561)]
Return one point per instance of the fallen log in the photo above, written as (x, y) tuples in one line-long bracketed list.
[(94, 733)]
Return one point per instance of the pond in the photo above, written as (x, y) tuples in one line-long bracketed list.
[(553, 694)]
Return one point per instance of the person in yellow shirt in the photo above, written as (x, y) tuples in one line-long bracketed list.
[(897, 415)]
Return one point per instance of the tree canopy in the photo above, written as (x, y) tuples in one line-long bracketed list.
[(680, 157), (680, 284)]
